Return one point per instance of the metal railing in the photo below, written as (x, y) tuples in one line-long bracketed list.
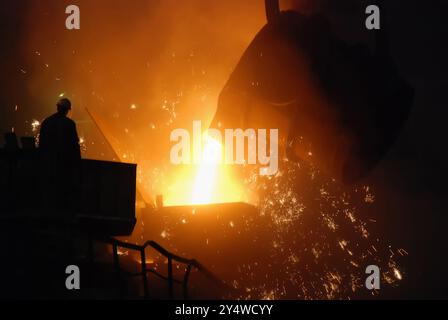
[(144, 269)]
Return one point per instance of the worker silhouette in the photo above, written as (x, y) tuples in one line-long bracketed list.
[(60, 155), (58, 137)]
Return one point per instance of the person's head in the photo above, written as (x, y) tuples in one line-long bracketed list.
[(64, 106)]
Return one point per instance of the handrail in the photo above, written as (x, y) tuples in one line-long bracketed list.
[(171, 257)]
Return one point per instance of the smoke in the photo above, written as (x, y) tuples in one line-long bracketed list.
[(143, 68)]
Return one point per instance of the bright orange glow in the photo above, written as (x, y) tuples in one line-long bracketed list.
[(206, 174), (208, 182)]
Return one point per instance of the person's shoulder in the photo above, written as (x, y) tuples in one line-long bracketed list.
[(67, 120), (72, 122), (47, 120)]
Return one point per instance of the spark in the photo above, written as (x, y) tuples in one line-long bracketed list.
[(35, 124), (164, 234), (122, 253), (397, 274), (286, 205)]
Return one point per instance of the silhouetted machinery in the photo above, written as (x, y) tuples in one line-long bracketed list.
[(99, 197), (342, 105)]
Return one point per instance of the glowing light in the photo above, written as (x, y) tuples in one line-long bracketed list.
[(207, 182), (122, 253), (397, 274), (207, 172), (61, 94), (164, 234), (35, 124)]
